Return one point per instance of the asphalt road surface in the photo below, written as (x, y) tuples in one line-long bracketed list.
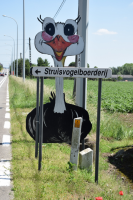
[(5, 141)]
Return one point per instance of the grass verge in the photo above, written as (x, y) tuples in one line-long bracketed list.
[(55, 180)]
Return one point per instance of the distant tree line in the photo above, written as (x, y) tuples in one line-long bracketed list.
[(74, 65), (20, 67), (1, 66), (126, 69), (40, 62)]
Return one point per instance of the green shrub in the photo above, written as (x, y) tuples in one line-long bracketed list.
[(120, 134)]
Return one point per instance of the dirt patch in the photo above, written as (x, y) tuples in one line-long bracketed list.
[(123, 160), (121, 164), (107, 138), (92, 137)]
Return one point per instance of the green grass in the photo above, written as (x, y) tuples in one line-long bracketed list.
[(116, 96), (55, 180)]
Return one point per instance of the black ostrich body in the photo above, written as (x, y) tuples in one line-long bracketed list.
[(57, 127)]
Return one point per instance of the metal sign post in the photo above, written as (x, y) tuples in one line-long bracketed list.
[(41, 124), (37, 119), (98, 129)]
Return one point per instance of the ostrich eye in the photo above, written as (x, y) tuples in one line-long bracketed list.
[(69, 29), (50, 29)]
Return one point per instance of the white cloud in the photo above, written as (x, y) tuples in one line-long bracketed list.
[(104, 32), (131, 4)]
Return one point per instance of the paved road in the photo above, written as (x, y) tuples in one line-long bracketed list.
[(5, 145)]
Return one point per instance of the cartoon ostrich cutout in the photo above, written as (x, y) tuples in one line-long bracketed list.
[(58, 40)]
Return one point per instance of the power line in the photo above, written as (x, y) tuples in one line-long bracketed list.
[(59, 9)]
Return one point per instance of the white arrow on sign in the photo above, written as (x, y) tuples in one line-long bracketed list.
[(73, 72)]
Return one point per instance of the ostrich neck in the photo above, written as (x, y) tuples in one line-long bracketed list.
[(59, 100)]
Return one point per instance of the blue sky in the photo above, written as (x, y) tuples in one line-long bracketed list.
[(110, 37)]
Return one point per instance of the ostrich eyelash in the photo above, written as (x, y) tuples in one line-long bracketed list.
[(40, 20), (78, 19)]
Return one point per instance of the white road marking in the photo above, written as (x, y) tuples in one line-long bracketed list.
[(7, 124), (1, 83), (7, 109), (5, 164), (4, 173), (6, 140), (7, 104), (7, 115)]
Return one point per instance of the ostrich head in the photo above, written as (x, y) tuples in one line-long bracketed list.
[(59, 39)]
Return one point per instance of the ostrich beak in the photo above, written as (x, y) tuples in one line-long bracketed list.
[(59, 46)]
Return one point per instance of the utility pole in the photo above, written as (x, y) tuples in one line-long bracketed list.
[(81, 83), (30, 54), (21, 65), (74, 87), (23, 40)]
